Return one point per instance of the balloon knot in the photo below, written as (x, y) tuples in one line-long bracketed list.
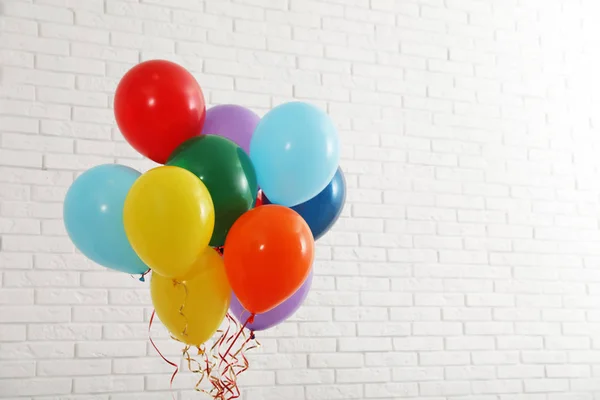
[(142, 279), (252, 337), (251, 319)]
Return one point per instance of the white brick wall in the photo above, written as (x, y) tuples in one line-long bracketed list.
[(466, 264)]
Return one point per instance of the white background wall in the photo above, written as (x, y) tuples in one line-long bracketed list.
[(467, 263)]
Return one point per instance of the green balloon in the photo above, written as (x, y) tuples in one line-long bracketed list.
[(228, 174)]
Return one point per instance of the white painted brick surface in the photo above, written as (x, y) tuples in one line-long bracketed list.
[(465, 264)]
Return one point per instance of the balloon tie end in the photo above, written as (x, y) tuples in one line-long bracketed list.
[(142, 277), (250, 319)]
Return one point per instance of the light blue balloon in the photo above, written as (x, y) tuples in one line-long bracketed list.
[(93, 215), (295, 150)]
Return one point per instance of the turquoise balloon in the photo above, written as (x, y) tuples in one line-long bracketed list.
[(93, 216), (295, 151)]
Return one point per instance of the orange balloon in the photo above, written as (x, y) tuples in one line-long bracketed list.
[(269, 252)]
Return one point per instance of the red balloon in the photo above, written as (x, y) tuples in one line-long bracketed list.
[(259, 199), (158, 106)]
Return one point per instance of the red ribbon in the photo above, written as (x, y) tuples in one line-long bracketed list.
[(158, 351)]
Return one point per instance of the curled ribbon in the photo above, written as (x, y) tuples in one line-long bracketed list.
[(222, 368), (158, 351)]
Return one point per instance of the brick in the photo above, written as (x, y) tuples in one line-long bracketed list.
[(35, 387), (281, 361), (38, 12), (143, 365), (113, 314), (72, 32), (546, 385), (64, 332), (15, 260), (270, 393), (19, 314), (107, 22), (418, 343), (364, 344), (391, 389), (71, 296), (307, 345), (544, 357), (415, 313), (326, 329), (17, 91), (36, 350), (31, 143), (466, 314), (12, 192), (360, 314), (412, 374), (570, 371), (16, 58), (489, 328), (40, 278), (16, 296), (444, 388), (424, 50), (17, 369), (497, 386), (335, 360), (73, 367), (390, 359), (364, 375), (521, 371), (334, 392), (107, 383), (462, 257), (469, 372), (436, 328), (578, 384), (110, 349), (18, 158), (139, 41), (34, 210), (305, 377), (19, 25), (386, 329), (520, 342), (35, 110)]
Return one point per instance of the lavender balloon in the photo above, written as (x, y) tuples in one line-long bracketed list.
[(275, 316), (233, 122)]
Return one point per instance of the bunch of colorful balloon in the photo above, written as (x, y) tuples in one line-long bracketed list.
[(212, 239)]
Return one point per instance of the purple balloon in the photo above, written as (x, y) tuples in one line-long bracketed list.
[(275, 316), (233, 122)]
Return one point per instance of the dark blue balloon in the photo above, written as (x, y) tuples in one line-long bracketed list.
[(321, 212)]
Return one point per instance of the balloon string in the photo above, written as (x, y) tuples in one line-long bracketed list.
[(203, 370), (228, 372), (142, 278), (185, 328), (142, 275), (231, 363), (159, 353), (248, 321), (236, 366)]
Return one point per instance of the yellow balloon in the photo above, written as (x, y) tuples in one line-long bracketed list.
[(193, 308), (169, 219)]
